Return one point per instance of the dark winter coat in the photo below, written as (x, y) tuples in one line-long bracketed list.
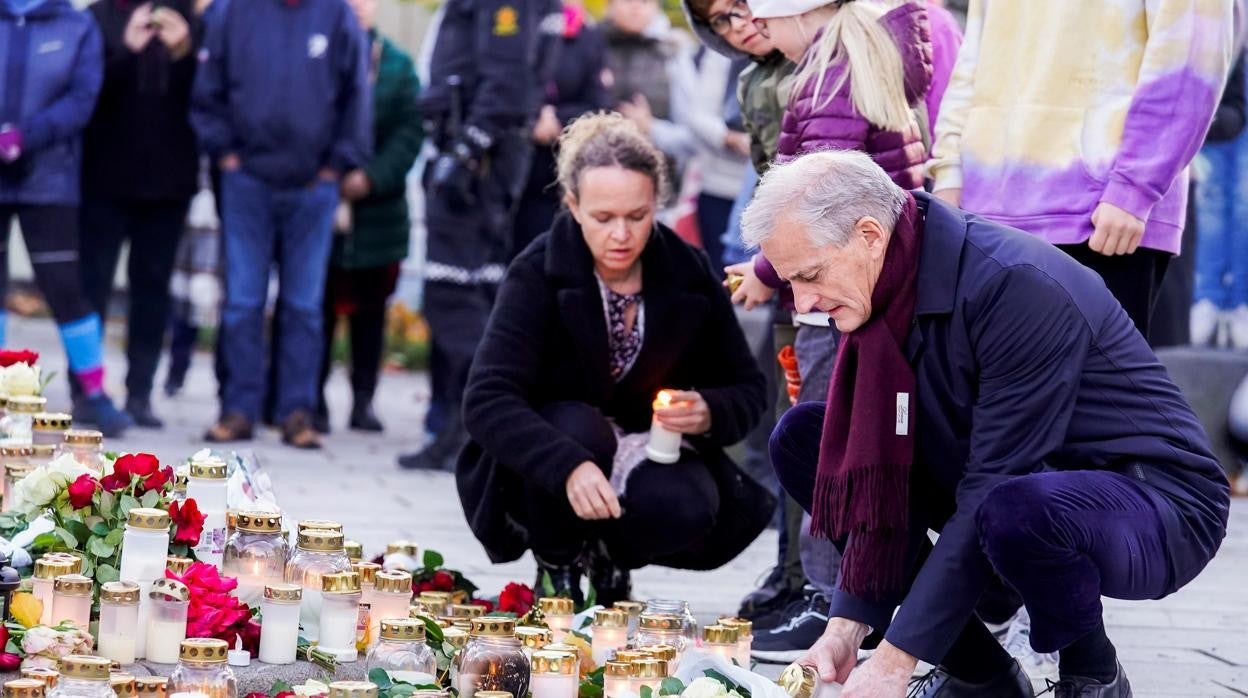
[(51, 67), (139, 144), (821, 122), (379, 234), (547, 342)]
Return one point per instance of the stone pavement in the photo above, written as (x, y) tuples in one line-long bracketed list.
[(1194, 643)]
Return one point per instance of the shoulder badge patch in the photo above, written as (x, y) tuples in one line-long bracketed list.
[(506, 21)]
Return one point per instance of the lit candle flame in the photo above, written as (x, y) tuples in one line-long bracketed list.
[(663, 400)]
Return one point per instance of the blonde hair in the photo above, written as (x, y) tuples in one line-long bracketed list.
[(607, 139), (854, 36)]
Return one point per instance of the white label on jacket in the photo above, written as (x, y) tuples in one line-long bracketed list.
[(50, 46), (317, 45), (903, 414)]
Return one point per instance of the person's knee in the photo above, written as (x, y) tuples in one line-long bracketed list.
[(684, 498), (794, 449), (585, 425), (1017, 516)]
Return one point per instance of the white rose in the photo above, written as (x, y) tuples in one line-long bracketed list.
[(35, 491), (704, 687), (68, 468), (311, 688), (20, 379)]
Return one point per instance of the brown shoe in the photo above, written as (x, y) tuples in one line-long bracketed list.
[(299, 431), (231, 427)]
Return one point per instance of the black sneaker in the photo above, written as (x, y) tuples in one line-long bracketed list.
[(795, 603), (786, 643), (769, 600)]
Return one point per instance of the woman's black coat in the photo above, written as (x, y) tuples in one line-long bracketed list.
[(547, 342)]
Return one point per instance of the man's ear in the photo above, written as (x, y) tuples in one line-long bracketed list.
[(873, 235)]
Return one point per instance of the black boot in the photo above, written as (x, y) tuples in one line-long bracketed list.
[(440, 455), (1078, 687), (364, 419), (141, 412), (611, 582), (938, 683), (564, 579)]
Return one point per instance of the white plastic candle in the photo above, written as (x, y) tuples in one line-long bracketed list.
[(71, 600), (391, 598), (340, 613), (207, 486), (721, 641), (119, 621), (609, 633), (279, 625), (558, 612), (664, 445), (745, 637), (167, 626), (46, 571), (615, 679), (554, 675)]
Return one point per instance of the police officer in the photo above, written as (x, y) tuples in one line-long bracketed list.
[(490, 62)]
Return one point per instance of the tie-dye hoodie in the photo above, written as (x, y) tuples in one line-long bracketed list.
[(1057, 106)]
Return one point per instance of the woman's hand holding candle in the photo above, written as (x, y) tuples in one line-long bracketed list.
[(590, 493), (688, 413)]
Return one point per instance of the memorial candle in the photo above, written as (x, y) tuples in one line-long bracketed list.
[(615, 679), (558, 612), (721, 641), (555, 675), (279, 624), (610, 633), (664, 445)]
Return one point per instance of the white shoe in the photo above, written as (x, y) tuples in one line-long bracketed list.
[(1237, 319), (1204, 322), (1018, 643)]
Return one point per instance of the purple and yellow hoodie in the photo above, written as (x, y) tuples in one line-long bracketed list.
[(1057, 106)]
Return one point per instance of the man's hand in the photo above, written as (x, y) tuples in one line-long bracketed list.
[(590, 494), (10, 143), (1117, 232), (752, 291), (327, 174), (885, 675), (638, 111), (737, 142), (547, 128), (953, 197), (835, 653), (356, 185), (139, 29), (173, 31), (229, 162), (689, 413)]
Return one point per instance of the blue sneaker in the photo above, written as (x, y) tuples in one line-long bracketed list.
[(98, 411)]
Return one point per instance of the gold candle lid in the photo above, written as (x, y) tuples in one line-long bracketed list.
[(461, 623), (340, 583), (454, 637), (416, 608), (368, 571), (467, 610), (259, 522), (283, 593), (23, 688), (119, 593), (27, 404), (123, 685), (320, 540), (352, 689), (744, 627), (152, 685), (438, 598), (49, 677), (150, 519), (632, 608), (405, 547), (178, 565), (719, 634), (556, 606), (51, 568), (203, 649), (403, 629), (492, 694), (610, 618), (179, 480), (73, 585), (562, 647), (169, 590), (550, 662), (318, 524), (354, 550), (667, 652), (632, 656), (17, 451), (394, 582), (493, 626), (650, 668), (74, 560), (208, 469), (430, 693), (84, 437), (661, 621), (798, 680), (619, 670), (533, 638), (80, 666), (42, 450)]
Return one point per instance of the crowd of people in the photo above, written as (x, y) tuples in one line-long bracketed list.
[(575, 164)]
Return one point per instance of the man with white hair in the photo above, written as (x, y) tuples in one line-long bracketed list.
[(989, 388)]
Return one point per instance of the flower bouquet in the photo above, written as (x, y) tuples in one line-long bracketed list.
[(19, 373), (214, 610)]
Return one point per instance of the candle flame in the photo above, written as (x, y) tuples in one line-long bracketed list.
[(663, 400)]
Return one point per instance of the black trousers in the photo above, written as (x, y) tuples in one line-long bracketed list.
[(1134, 279), (154, 230), (51, 237), (665, 507), (361, 295)]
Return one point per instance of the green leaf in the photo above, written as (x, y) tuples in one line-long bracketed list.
[(115, 537), (280, 686), (402, 690), (671, 686), (99, 548), (433, 630), (45, 541), (647, 692), (66, 538), (589, 689), (101, 529), (433, 559), (151, 499), (548, 587), (107, 573), (128, 503), (381, 677), (581, 635), (108, 502), (591, 597)]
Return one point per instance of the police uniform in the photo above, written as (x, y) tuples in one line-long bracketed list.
[(490, 62)]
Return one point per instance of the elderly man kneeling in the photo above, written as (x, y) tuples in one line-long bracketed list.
[(989, 388)]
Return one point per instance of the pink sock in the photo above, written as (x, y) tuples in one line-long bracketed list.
[(91, 381)]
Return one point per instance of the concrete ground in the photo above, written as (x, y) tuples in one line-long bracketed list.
[(1194, 643)]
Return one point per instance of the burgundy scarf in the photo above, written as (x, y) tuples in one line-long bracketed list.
[(863, 482)]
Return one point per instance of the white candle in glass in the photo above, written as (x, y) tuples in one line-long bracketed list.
[(279, 624), (721, 641), (71, 600), (664, 445), (164, 638), (553, 686), (609, 633), (554, 675), (615, 679)]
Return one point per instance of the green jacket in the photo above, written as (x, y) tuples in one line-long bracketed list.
[(381, 225), (763, 91)]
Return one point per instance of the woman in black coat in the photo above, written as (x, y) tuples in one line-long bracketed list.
[(591, 322)]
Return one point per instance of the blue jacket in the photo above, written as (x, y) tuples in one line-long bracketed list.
[(284, 85), (1024, 363), (51, 67)]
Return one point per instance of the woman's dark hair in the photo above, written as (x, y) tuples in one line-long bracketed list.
[(607, 139)]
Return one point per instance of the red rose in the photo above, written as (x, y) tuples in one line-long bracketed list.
[(26, 356), (157, 480), (443, 581), (9, 662), (188, 523), (81, 491), (285, 694), (486, 604), (141, 464), (256, 694), (516, 598)]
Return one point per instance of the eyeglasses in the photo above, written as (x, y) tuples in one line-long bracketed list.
[(761, 25), (722, 23)]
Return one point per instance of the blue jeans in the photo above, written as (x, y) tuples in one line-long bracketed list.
[(1222, 225), (294, 228)]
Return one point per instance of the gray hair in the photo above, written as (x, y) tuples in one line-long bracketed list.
[(826, 193)]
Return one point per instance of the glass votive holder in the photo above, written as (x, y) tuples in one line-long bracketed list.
[(152, 686), (203, 668), (24, 688), (49, 677), (633, 609), (492, 660), (86, 446), (532, 639), (255, 554), (123, 685)]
